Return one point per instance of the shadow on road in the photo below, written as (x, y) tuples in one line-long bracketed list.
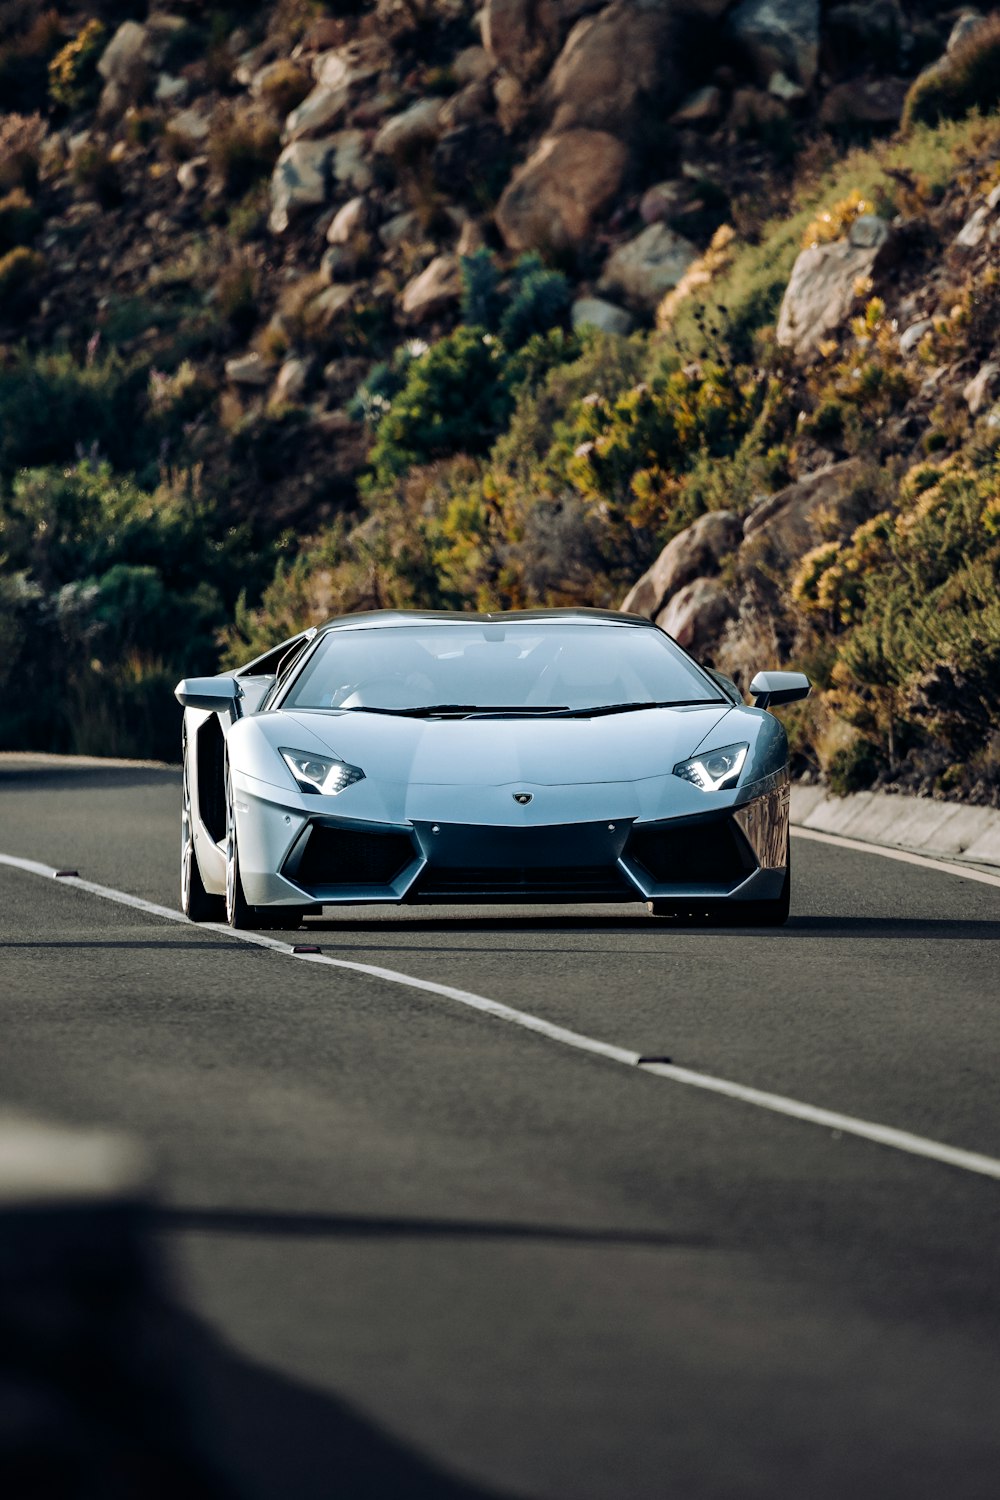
[(258, 1222)]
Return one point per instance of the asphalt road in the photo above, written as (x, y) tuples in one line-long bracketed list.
[(427, 1252)]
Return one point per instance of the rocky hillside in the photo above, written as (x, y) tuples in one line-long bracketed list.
[(307, 307)]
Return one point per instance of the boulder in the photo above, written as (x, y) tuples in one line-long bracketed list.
[(779, 35), (963, 28), (437, 286), (124, 65), (982, 388), (646, 268), (553, 199), (471, 65), (864, 101), (751, 108), (613, 67), (249, 369), (511, 102), (400, 229), (470, 104), (694, 553), (347, 67), (190, 127), (350, 219), (319, 110), (405, 133), (349, 164), (291, 382), (522, 36), (594, 312), (328, 305), (170, 90), (789, 520), (299, 181), (982, 223), (696, 614), (822, 289), (191, 174)]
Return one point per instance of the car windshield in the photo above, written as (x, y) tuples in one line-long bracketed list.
[(534, 667)]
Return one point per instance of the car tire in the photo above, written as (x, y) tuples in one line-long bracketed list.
[(197, 904)]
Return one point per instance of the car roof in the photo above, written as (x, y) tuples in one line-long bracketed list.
[(381, 618)]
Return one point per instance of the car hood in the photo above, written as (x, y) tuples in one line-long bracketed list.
[(491, 752)]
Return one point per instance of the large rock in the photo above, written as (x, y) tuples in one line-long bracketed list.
[(822, 289), (694, 553), (522, 36), (864, 101), (350, 165), (554, 198), (125, 67), (349, 220), (594, 312), (615, 65), (299, 181), (437, 286), (318, 111), (789, 520), (696, 614), (981, 389), (649, 266), (406, 133), (779, 35)]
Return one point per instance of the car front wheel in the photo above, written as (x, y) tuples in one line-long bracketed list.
[(239, 913)]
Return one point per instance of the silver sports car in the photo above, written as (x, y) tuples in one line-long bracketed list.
[(545, 756)]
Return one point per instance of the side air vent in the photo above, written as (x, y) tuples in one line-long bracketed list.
[(212, 778), (692, 854), (349, 857)]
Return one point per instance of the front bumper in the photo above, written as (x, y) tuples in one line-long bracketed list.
[(736, 852)]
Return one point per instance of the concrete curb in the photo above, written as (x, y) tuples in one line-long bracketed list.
[(940, 830)]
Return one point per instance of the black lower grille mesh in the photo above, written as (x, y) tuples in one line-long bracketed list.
[(695, 854), (582, 883), (350, 857)]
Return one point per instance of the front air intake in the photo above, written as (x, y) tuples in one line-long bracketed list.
[(349, 857), (696, 853)]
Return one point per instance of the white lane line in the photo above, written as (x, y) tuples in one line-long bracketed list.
[(943, 866), (882, 1135)]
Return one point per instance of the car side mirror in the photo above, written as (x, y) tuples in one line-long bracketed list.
[(218, 695), (771, 688)]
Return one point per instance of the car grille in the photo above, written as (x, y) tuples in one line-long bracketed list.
[(696, 853), (523, 883), (352, 857)]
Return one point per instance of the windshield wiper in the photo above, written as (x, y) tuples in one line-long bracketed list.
[(627, 708)]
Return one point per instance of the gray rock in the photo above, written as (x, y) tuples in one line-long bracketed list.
[(981, 389), (400, 228), (190, 126), (414, 127), (249, 369), (329, 305), (338, 264), (348, 221), (821, 293), (910, 337), (350, 165), (661, 200), (781, 87), (170, 90), (319, 110), (192, 174), (963, 28), (779, 35), (125, 59), (595, 312), (289, 387), (437, 287), (792, 519), (299, 181), (649, 266), (615, 67), (471, 65)]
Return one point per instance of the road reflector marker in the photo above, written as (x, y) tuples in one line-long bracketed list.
[(66, 874), (305, 948), (642, 1061)]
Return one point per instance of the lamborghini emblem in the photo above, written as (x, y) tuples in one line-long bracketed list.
[(523, 798)]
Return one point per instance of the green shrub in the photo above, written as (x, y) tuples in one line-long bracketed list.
[(966, 79), (74, 81), (50, 405), (20, 271), (20, 220), (539, 302), (853, 768), (455, 400), (481, 300)]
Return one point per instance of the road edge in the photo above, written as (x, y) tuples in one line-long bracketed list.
[(952, 831)]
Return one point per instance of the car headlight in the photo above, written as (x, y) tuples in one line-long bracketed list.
[(716, 770), (320, 773)]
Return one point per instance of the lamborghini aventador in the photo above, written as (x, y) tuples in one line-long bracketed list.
[(540, 756)]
